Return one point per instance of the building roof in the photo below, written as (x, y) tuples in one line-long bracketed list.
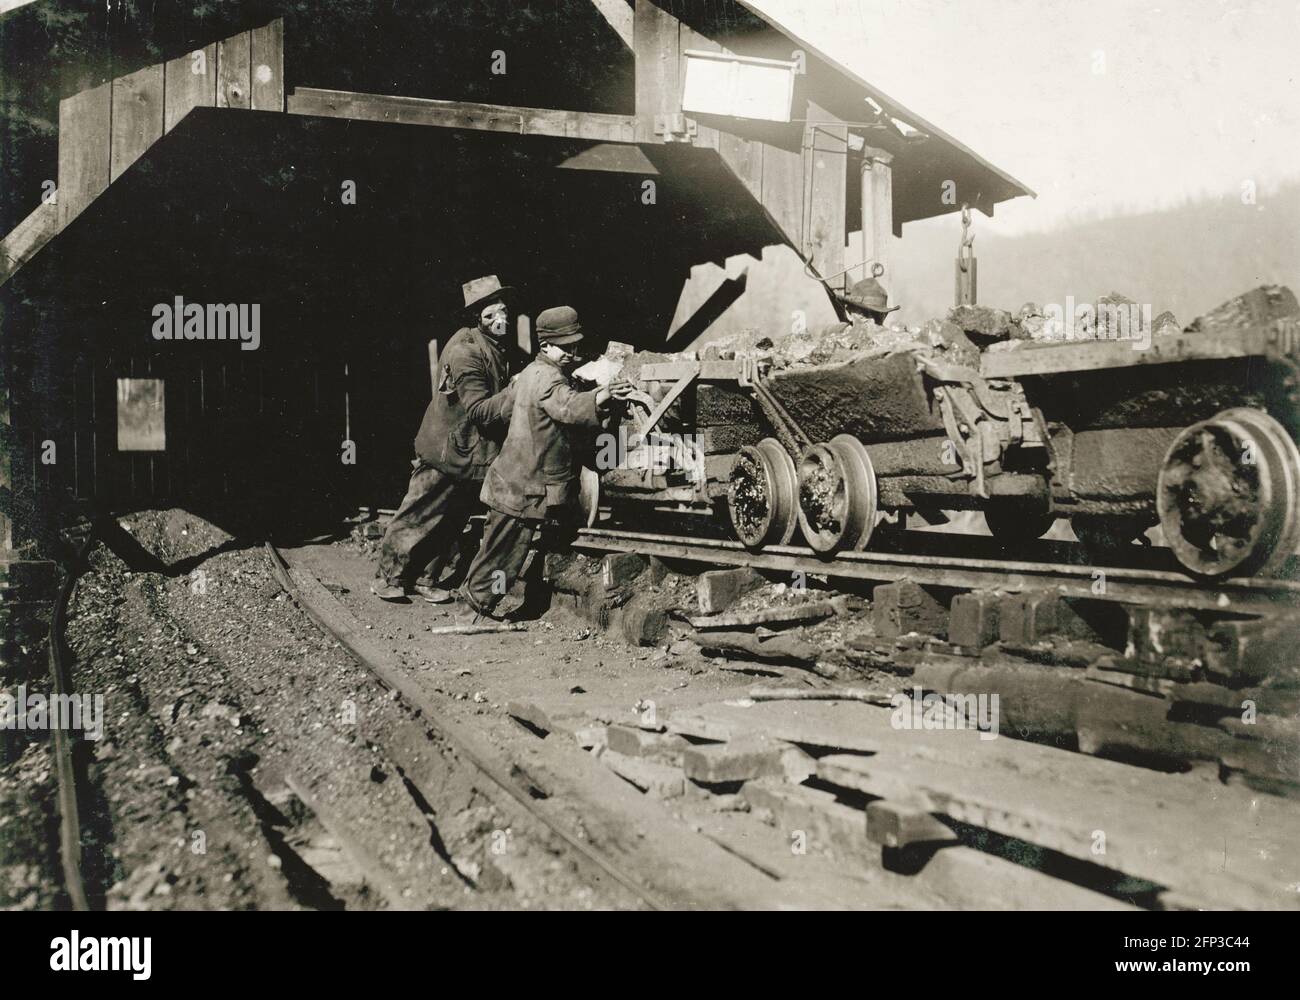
[(994, 185)]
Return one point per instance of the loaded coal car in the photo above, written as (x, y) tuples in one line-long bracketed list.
[(1192, 429)]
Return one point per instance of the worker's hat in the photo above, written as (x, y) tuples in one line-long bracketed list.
[(559, 326), (867, 294), (481, 291)]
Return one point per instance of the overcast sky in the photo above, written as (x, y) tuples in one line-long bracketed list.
[(1098, 105)]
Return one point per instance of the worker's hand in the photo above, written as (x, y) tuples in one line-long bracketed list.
[(602, 396), (621, 388)]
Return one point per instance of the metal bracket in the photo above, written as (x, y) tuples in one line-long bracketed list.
[(675, 128)]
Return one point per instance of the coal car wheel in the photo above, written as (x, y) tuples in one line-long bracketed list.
[(837, 495), (1228, 495), (762, 495), (1013, 522)]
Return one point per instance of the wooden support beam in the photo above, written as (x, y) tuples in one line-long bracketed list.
[(462, 114), (825, 193), (656, 38), (27, 238), (620, 17), (84, 143), (137, 121), (877, 179)]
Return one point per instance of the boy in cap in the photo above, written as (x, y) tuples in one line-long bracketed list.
[(458, 439), (535, 476)]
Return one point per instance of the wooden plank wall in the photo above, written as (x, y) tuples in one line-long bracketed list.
[(231, 424), (105, 129), (235, 72), (137, 117), (85, 149), (102, 131), (190, 81)]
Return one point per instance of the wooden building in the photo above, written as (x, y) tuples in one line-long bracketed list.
[(344, 167)]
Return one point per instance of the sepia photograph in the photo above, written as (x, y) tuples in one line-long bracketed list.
[(634, 455)]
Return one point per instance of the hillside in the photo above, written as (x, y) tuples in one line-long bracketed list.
[(1187, 259)]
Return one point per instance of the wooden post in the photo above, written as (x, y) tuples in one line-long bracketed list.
[(826, 149), (656, 42), (877, 209)]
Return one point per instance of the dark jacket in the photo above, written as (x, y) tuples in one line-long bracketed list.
[(466, 421), (536, 468)]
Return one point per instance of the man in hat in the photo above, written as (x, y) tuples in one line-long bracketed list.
[(535, 476), (867, 298), (460, 435)]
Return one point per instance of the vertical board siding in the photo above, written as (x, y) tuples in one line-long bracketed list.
[(267, 62), (190, 81), (234, 72), (84, 142), (137, 117)]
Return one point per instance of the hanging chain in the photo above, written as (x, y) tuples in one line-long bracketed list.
[(966, 249), (966, 285)]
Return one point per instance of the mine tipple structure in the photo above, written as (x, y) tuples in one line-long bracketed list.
[(346, 169), (1193, 430), (321, 179)]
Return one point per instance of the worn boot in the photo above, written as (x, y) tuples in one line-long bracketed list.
[(434, 595), (468, 613), (389, 592)]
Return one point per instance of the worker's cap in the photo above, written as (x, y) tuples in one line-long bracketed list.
[(868, 294), (482, 291), (559, 326)]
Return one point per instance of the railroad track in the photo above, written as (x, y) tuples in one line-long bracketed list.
[(1149, 587), (69, 796), (503, 775)]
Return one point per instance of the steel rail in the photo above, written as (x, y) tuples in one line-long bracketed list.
[(69, 796), (1121, 584), (448, 730)]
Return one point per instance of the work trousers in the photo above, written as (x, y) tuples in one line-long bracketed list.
[(420, 537), (500, 559)]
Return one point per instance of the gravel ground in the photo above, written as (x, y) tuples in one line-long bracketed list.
[(218, 691)]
